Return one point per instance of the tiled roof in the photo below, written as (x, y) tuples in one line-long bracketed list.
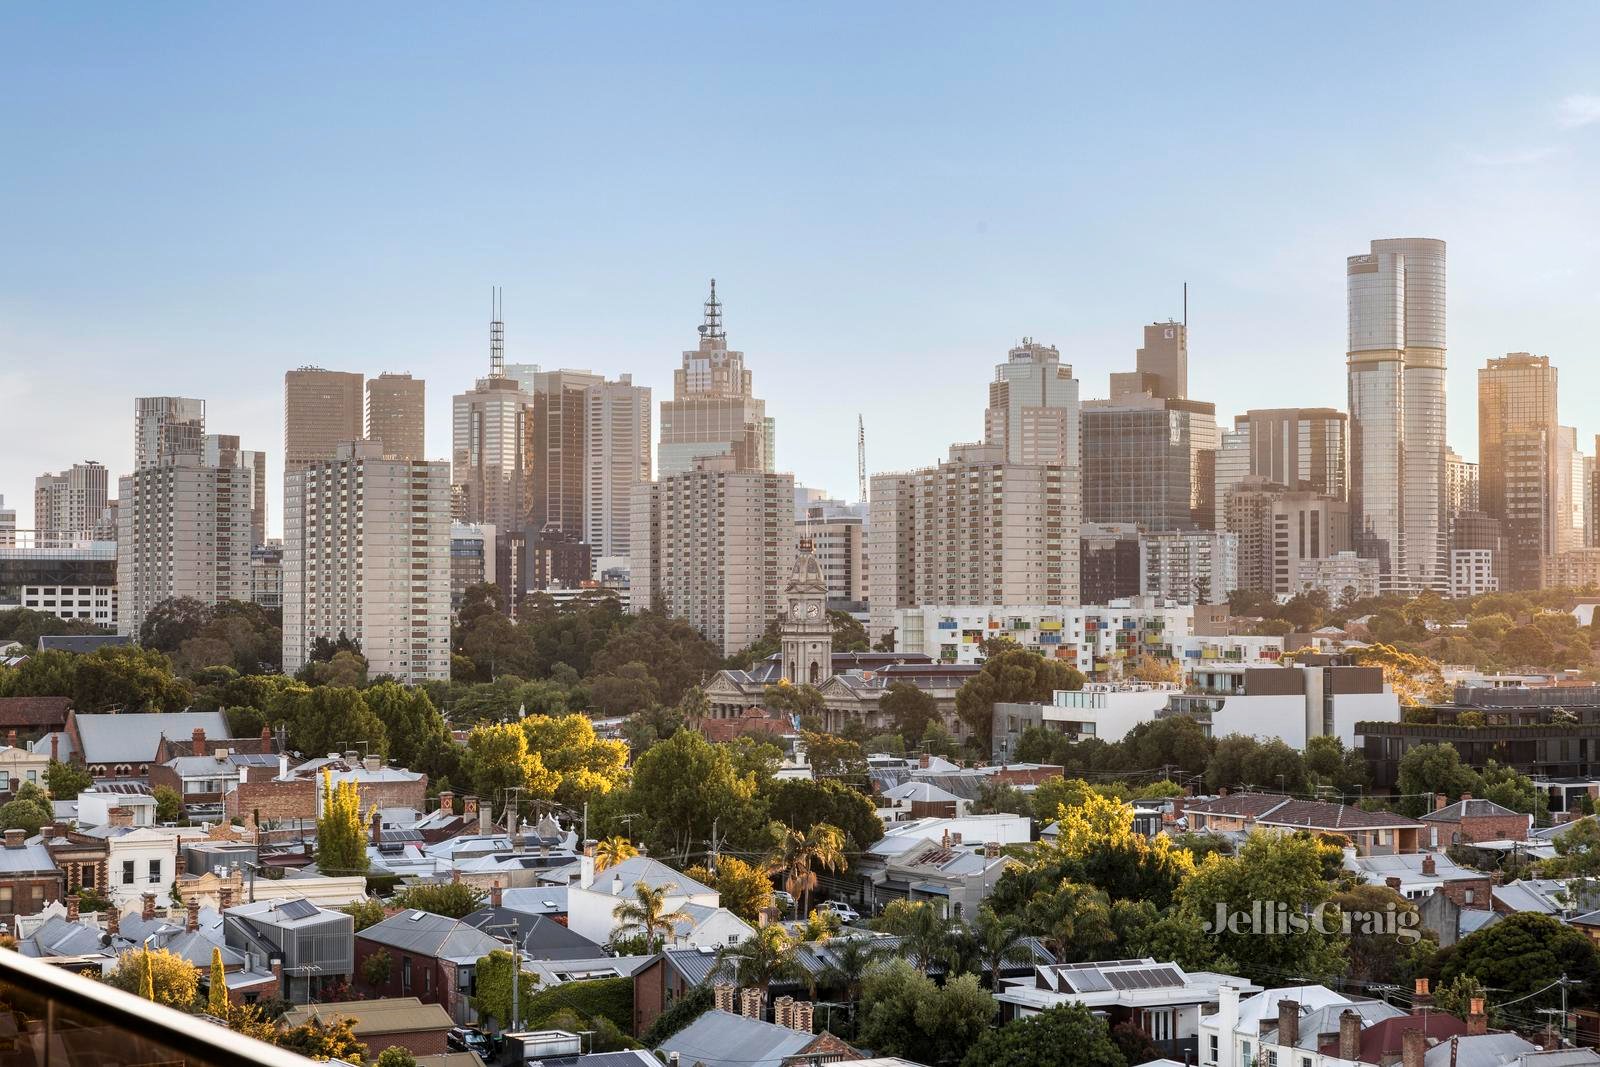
[(34, 712), (1467, 809), (1380, 1042)]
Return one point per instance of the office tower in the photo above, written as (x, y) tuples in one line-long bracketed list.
[(713, 411), (396, 414), (838, 539), (165, 426), (524, 374), (1151, 461), (616, 462), (70, 580), (66, 506), (1232, 465), (1302, 448), (1572, 500), (1110, 562), (1162, 365), (321, 411), (488, 429), (472, 560), (1521, 467), (1281, 528), (222, 450), (184, 530), (1461, 483), (556, 560), (973, 530), (8, 525), (556, 452), (1033, 407), (393, 595), (1191, 566), (713, 545), (1396, 365)]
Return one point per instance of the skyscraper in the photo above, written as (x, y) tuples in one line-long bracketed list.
[(1520, 461), (1162, 364), (67, 505), (183, 530), (1300, 448), (557, 450), (617, 460), (1151, 461), (1461, 483), (713, 411), (165, 426), (489, 427), (321, 411), (222, 450), (1033, 407), (392, 596), (1396, 366), (396, 414)]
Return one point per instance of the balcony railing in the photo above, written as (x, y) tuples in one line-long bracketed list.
[(60, 1019)]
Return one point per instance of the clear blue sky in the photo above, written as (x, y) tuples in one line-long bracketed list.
[(199, 197)]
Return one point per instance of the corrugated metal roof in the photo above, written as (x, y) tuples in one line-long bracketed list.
[(134, 738)]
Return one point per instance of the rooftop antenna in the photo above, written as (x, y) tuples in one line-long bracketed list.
[(861, 459), (712, 327), (497, 335)]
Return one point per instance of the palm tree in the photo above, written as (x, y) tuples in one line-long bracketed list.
[(760, 960), (612, 851), (647, 914), (924, 934), (799, 853), (999, 941), (851, 959)]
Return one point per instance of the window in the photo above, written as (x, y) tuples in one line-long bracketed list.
[(1211, 1049), (127, 872), (405, 975), (155, 871)]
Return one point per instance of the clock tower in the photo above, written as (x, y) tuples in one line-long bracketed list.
[(805, 632)]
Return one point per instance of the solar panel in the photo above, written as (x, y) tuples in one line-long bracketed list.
[(298, 908), (1088, 982)]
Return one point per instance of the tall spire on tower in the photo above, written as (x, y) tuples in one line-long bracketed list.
[(712, 327), (497, 336)]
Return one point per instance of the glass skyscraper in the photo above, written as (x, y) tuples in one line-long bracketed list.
[(1397, 411)]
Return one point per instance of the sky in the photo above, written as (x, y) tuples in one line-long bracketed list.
[(196, 198)]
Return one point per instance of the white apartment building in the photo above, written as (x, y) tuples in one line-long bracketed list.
[(1191, 566), (367, 553), (183, 530), (1097, 640), (840, 545), (1343, 575), (616, 462), (1472, 572), (714, 545)]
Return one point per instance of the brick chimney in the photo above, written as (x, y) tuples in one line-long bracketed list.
[(1466, 797), (722, 996), (180, 865), (495, 894), (149, 910), (16, 838), (199, 746), (801, 1018), (1393, 883), (277, 970), (377, 829), (120, 816), (1440, 802), (191, 920), (750, 1003), (55, 747), (447, 802), (1477, 1018), (224, 898), (1349, 1035), (1288, 1022), (469, 808), (113, 920), (11, 739), (783, 1011), (1421, 998), (1429, 867), (1413, 1046), (922, 761), (72, 908)]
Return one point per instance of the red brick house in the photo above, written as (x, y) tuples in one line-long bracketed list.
[(293, 795), (1469, 820), (33, 717), (431, 957), (1371, 832), (29, 877), (384, 1023)]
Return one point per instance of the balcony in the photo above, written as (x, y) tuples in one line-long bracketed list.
[(63, 1020)]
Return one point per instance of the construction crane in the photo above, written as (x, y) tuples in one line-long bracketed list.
[(861, 460)]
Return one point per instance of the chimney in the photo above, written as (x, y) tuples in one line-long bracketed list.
[(922, 761), (1440, 802), (1393, 883), (519, 842), (783, 1011), (722, 997), (113, 920), (225, 898), (16, 838), (802, 1019), (58, 829), (277, 970), (991, 849), (55, 746), (1288, 1022), (485, 820), (494, 894), (244, 774), (586, 864), (72, 908), (1412, 1048), (455, 875), (616, 885), (955, 839), (469, 808), (283, 765), (944, 838), (1477, 1018), (191, 921), (11, 739), (750, 1003), (199, 747), (180, 865), (1429, 867), (1421, 998), (373, 764), (447, 802), (377, 829), (149, 911), (1349, 1035), (120, 816), (1465, 797)]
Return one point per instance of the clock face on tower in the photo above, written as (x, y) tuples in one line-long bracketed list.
[(797, 609), (811, 611)]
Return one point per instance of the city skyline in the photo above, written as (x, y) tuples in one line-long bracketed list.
[(930, 256)]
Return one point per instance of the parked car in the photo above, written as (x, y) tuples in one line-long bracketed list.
[(842, 910), (784, 901), (467, 1039)]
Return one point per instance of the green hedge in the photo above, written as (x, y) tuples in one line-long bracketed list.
[(610, 997)]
